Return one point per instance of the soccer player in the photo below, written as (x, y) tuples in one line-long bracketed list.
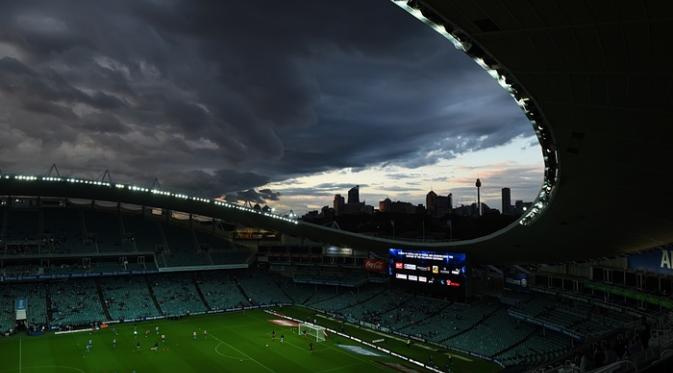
[(205, 333), (155, 347), (114, 343), (273, 334), (282, 338), (135, 332), (163, 338), (310, 346), (147, 333), (194, 335), (138, 346)]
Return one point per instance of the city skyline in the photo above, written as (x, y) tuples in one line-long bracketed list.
[(226, 105), (521, 173)]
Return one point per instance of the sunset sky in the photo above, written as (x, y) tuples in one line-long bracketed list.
[(282, 103)]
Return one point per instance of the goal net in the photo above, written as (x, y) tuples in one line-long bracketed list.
[(313, 331)]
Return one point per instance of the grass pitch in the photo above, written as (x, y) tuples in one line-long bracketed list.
[(235, 342)]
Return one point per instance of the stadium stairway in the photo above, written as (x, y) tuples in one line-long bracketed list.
[(463, 331), (282, 289), (240, 288), (49, 311), (101, 299), (305, 302), (154, 298), (200, 293)]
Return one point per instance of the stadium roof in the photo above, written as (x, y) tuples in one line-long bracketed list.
[(596, 82)]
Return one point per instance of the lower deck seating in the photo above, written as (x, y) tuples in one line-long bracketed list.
[(220, 291), (128, 298), (299, 293), (484, 326), (262, 289), (536, 349), (177, 294), (75, 303), (492, 335), (371, 310), (8, 295), (348, 298), (453, 320), (412, 311)]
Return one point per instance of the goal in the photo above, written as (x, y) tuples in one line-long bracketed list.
[(313, 331)]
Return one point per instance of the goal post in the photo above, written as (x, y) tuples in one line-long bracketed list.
[(313, 331)]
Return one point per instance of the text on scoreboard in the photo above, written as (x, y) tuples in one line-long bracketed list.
[(441, 269)]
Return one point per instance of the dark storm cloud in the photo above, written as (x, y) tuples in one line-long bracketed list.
[(219, 96), (253, 196), (322, 190), (215, 183)]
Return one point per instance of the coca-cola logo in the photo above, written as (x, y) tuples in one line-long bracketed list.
[(375, 265)]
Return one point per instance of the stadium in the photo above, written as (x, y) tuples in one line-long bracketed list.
[(101, 276)]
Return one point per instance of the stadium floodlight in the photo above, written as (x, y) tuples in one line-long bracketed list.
[(313, 331)]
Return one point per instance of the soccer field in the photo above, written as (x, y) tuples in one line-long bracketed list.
[(235, 342)]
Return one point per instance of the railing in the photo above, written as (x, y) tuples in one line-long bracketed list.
[(151, 191)]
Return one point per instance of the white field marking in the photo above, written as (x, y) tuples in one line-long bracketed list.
[(383, 334), (242, 353), (217, 351), (359, 350), (303, 349), (353, 355)]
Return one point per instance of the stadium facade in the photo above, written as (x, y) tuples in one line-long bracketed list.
[(594, 80)]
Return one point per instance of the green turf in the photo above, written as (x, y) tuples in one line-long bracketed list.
[(236, 342), (442, 358)]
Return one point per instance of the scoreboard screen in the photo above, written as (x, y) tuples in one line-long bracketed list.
[(432, 269)]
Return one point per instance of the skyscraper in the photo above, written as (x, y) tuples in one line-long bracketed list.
[(354, 195), (506, 201), (438, 206), (339, 203), (430, 202)]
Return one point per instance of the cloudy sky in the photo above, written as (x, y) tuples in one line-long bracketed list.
[(296, 100)]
